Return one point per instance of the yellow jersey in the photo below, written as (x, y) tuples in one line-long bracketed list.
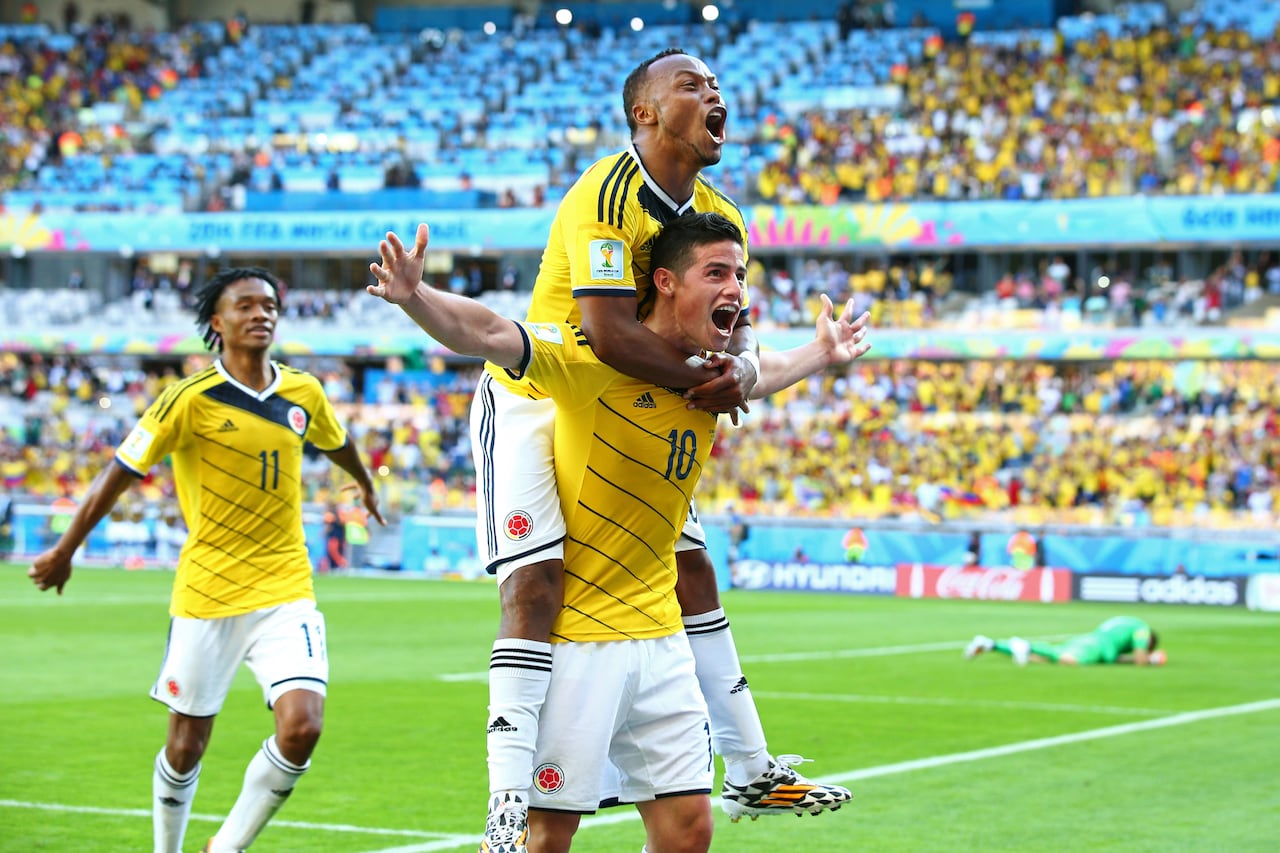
[(628, 455), (237, 463), (600, 241)]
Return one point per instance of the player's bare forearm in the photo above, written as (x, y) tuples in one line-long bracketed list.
[(466, 326), (628, 346), (52, 569), (459, 323)]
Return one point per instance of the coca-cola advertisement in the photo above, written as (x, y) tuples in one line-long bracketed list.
[(995, 584)]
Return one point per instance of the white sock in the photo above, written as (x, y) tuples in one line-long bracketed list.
[(172, 793), (268, 782), (736, 732), (519, 674)]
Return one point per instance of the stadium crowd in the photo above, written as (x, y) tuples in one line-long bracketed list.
[(1171, 111), (1130, 442), (1176, 109)]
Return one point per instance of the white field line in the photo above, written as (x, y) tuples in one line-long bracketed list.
[(837, 654), (932, 762), (874, 652), (210, 818), (442, 841), (854, 698)]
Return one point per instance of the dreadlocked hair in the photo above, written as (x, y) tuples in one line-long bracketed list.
[(207, 298)]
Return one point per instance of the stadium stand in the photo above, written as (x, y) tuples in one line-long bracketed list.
[(1106, 105), (1135, 442)]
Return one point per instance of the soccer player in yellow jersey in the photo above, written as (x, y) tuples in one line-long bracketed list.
[(595, 272), (235, 433), (628, 454)]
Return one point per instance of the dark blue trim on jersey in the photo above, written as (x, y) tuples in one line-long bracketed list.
[(338, 448), (525, 359), (604, 187), (122, 464), (177, 390), (702, 546), (183, 713), (610, 802), (296, 678), (604, 291), (274, 409), (623, 184), (492, 568), (702, 179)]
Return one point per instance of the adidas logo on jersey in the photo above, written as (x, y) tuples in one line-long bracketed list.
[(645, 401), (227, 426), (500, 724), (740, 686)]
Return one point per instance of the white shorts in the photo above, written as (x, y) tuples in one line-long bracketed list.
[(622, 719), (284, 646), (518, 516)]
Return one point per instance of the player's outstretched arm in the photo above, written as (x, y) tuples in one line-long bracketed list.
[(835, 341), (53, 567), (461, 324)]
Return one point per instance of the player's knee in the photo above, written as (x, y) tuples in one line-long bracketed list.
[(549, 834), (1068, 660), (531, 598), (690, 834), (298, 729), (185, 746)]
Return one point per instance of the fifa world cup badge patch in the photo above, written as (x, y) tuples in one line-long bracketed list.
[(518, 525), (548, 778), (297, 420), (547, 332), (607, 259), (137, 444)]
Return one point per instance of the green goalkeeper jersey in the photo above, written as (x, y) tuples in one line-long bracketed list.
[(1122, 635)]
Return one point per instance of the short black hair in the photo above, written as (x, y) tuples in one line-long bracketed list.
[(635, 83), (1151, 644), (673, 247), (208, 295)]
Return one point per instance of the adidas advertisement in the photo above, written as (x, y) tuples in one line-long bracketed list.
[(814, 577), (1175, 589)]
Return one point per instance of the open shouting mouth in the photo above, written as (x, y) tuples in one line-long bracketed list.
[(716, 121)]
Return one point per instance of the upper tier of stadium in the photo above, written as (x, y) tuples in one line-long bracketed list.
[(388, 114)]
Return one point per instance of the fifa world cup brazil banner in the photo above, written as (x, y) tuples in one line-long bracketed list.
[(921, 226)]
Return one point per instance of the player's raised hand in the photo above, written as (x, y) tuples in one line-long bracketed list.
[(845, 337), (400, 271)]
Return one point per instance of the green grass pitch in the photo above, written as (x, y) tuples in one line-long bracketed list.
[(941, 753)]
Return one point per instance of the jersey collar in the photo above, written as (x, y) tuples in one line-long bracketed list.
[(257, 395), (653, 185)]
